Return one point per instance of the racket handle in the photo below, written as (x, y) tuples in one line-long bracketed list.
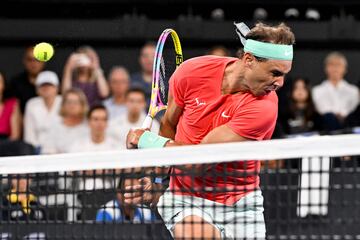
[(147, 122)]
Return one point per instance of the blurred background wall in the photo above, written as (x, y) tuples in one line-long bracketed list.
[(118, 28)]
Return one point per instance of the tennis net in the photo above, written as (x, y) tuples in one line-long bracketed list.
[(309, 189)]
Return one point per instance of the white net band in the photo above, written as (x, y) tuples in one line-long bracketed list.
[(329, 146)]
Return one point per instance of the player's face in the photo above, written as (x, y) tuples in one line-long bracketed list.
[(266, 76), (135, 103), (119, 83), (98, 121)]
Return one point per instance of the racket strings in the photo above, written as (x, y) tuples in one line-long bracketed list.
[(167, 68)]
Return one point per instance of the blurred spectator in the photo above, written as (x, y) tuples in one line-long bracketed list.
[(72, 125), (42, 113), (299, 116), (23, 85), (10, 116), (117, 211), (119, 84), (97, 141), (219, 51), (20, 204), (143, 78), (134, 117), (260, 14), (82, 70), (335, 98)]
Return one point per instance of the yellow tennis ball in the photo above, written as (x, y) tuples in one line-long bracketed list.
[(43, 51)]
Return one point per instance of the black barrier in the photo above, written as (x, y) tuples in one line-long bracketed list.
[(281, 191), (83, 231)]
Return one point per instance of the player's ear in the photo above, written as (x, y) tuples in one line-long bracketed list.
[(248, 59)]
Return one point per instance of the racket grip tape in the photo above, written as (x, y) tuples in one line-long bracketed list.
[(147, 122)]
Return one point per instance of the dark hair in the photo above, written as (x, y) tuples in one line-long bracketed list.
[(6, 91), (135, 90), (279, 34), (96, 107), (310, 108)]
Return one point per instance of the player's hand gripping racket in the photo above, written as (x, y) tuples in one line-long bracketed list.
[(168, 56)]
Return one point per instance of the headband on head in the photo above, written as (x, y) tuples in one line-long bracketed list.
[(263, 49)]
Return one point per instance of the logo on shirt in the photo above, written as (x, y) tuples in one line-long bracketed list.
[(199, 102), (223, 114)]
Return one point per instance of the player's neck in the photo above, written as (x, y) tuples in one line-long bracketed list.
[(233, 79)]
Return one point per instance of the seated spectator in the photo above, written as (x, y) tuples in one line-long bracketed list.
[(97, 141), (335, 98), (117, 211), (219, 50), (143, 78), (353, 119), (21, 204), (119, 84), (42, 113), (10, 116), (299, 116), (134, 117), (23, 84), (83, 71), (72, 125)]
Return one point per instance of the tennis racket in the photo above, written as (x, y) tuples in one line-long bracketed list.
[(168, 56)]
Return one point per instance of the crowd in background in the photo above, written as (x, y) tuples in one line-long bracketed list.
[(88, 110)]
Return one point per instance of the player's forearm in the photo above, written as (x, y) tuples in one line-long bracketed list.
[(167, 129)]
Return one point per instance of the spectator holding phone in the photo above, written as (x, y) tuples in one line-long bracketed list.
[(82, 70)]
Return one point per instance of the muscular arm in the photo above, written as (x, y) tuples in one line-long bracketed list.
[(170, 119), (221, 134)]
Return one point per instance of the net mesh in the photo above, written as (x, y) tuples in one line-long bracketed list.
[(313, 194)]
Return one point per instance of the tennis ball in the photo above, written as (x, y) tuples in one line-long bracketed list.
[(43, 51)]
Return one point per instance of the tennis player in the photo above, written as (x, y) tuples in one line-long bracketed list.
[(216, 100)]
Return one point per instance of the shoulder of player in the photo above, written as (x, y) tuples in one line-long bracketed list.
[(207, 60)]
